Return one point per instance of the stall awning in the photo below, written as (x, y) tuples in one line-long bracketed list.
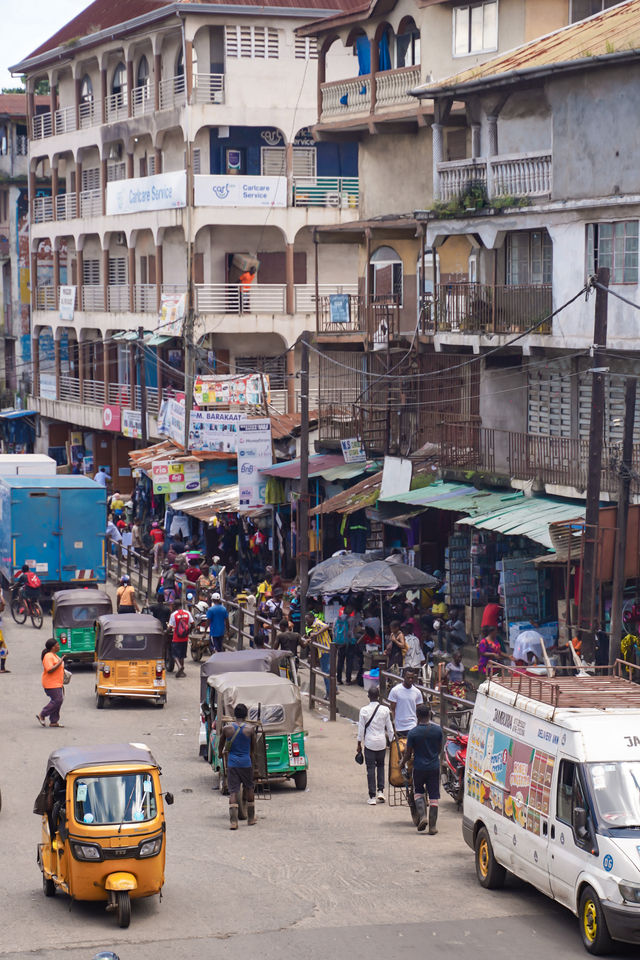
[(458, 497), (528, 518), (13, 414), (204, 506), (330, 466)]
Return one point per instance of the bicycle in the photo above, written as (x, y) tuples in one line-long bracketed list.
[(23, 607)]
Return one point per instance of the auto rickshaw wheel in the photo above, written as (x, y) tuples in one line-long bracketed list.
[(100, 701), (48, 886), (242, 804), (300, 780), (124, 908)]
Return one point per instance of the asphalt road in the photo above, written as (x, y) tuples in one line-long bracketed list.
[(321, 875)]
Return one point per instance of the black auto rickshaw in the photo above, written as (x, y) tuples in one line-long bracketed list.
[(74, 615)]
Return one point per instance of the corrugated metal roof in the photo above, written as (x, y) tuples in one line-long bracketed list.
[(529, 518), (457, 497), (204, 506), (614, 31), (331, 466)]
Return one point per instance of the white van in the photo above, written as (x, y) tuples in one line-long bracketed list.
[(552, 794)]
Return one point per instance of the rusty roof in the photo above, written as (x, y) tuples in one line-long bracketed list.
[(170, 450), (607, 36), (356, 12), (601, 688), (285, 425), (15, 104)]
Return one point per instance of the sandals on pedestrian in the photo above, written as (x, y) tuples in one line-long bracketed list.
[(56, 724), (40, 720)]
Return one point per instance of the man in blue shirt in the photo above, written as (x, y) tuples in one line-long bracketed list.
[(218, 618), (241, 740), (424, 741)]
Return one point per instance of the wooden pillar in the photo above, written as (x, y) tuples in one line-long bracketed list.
[(291, 383), (322, 76), (35, 357), (158, 276), (80, 278), (188, 68), (105, 278), (289, 279), (78, 192), (157, 76), (158, 153), (105, 369), (32, 193), (56, 274), (56, 363), (103, 95), (132, 278), (103, 186), (78, 94), (54, 190), (129, 88)]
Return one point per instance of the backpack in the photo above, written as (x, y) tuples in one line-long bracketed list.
[(33, 580), (182, 627)]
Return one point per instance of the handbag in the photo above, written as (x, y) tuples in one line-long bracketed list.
[(358, 757), (67, 676)]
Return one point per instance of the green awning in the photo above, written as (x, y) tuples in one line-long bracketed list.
[(529, 518), (157, 339), (457, 497), (125, 335)]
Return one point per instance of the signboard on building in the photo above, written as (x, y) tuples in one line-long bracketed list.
[(171, 477), (212, 190), (254, 453), (48, 386), (132, 424), (396, 476), (172, 310), (171, 420), (210, 430), (160, 192), (67, 302), (231, 389), (353, 451), (339, 307), (111, 418)]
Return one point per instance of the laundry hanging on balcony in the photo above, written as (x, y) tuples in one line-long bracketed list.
[(363, 52)]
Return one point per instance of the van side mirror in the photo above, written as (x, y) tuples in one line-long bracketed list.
[(168, 798), (580, 823)]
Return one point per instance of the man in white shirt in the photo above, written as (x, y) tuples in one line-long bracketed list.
[(101, 476), (403, 700), (374, 729)]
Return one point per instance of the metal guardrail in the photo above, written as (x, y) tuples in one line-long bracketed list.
[(445, 707), (137, 566)]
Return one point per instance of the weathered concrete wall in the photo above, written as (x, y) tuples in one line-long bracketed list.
[(395, 173)]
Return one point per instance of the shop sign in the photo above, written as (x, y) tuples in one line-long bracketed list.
[(160, 192), (48, 386), (254, 454), (213, 190), (172, 311), (171, 477), (213, 431), (67, 301), (132, 424), (339, 307), (353, 451), (226, 390), (111, 419)]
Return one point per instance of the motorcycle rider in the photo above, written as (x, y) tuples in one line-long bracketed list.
[(424, 743)]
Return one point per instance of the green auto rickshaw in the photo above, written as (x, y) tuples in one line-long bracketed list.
[(275, 705), (74, 615)]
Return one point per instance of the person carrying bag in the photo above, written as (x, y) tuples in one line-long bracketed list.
[(374, 729)]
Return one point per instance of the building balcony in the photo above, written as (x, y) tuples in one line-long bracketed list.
[(356, 319), (513, 175), (479, 308), (345, 98)]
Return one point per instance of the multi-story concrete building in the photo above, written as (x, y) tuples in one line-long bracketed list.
[(177, 150)]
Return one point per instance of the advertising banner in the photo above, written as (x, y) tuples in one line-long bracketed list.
[(132, 424), (168, 477), (111, 418), (210, 430), (254, 453), (211, 190), (172, 310), (48, 386), (226, 390), (160, 192), (353, 451), (67, 302)]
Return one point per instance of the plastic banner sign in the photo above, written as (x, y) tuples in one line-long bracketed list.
[(249, 390), (160, 192), (213, 190), (67, 302), (171, 477), (353, 451), (254, 453)]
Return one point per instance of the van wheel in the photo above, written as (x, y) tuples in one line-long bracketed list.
[(48, 886), (124, 908), (490, 873), (242, 804), (300, 780), (100, 701), (593, 926)]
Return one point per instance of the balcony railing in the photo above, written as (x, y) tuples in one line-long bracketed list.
[(144, 298), (142, 100), (208, 88), (42, 126), (380, 323), (172, 93), (326, 192), (42, 209), (118, 297), (91, 203), (65, 120), (392, 86), (233, 298), (88, 114), (66, 206), (93, 392), (305, 294), (93, 296), (344, 97), (517, 175), (69, 388), (482, 308), (46, 298), (116, 107)]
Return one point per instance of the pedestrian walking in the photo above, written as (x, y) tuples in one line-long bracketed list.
[(4, 650), (157, 538), (424, 743), (414, 655), (374, 729), (241, 737), (403, 700), (397, 645), (53, 683), (126, 597), (318, 632), (218, 617), (180, 622)]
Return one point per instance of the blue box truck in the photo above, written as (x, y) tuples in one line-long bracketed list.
[(57, 526)]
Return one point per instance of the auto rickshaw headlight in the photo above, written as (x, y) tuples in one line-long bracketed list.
[(150, 848), (630, 892), (87, 851)]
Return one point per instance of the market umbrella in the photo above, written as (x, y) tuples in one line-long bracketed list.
[(331, 568), (383, 576)]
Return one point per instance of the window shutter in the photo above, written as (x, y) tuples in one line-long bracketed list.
[(232, 41), (143, 166), (305, 162), (306, 48), (90, 272), (273, 161), (116, 170), (152, 268), (151, 165), (117, 270), (198, 268), (549, 406), (91, 178), (195, 160), (251, 43)]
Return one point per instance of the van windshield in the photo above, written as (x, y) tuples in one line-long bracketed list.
[(125, 798), (615, 788)]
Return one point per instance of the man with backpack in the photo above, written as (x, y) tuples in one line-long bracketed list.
[(180, 622), (28, 583)]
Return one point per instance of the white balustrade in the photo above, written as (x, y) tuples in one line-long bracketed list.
[(42, 209), (142, 100), (118, 297), (326, 192), (42, 126), (69, 389), (88, 114), (305, 294), (92, 296), (521, 175), (233, 298), (116, 107), (392, 86), (144, 297), (456, 176), (119, 393), (45, 298), (91, 203), (343, 97), (66, 206), (93, 392), (65, 120), (172, 93), (208, 88)]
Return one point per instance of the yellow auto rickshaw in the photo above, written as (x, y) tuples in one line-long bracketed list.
[(103, 827), (130, 658)]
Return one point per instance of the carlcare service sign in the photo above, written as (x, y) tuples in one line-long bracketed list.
[(254, 453), (212, 190), (160, 192)]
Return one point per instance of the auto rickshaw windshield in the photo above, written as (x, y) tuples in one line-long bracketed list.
[(114, 799)]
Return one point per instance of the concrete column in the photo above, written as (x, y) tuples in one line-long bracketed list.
[(322, 76), (475, 140), (492, 136), (188, 68), (103, 186), (31, 109), (35, 356), (78, 191), (78, 89), (289, 172), (158, 276), (375, 65), (53, 104), (157, 76), (132, 373), (56, 274), (32, 193), (54, 189), (80, 278), (33, 279), (291, 383), (105, 278), (290, 279), (159, 369), (129, 88), (103, 95), (105, 369), (132, 278), (438, 156), (56, 364), (81, 371)]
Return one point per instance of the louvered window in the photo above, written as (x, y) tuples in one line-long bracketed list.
[(252, 43), (117, 271), (549, 407), (273, 162), (273, 366), (90, 272), (195, 160), (613, 407), (151, 165), (116, 170), (91, 178), (306, 48)]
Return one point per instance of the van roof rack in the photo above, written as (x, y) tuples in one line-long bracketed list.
[(601, 688)]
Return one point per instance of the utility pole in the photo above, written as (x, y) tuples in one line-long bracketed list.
[(303, 500), (189, 365), (592, 513), (624, 486), (142, 376)]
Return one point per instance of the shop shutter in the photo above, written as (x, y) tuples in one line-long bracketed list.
[(550, 400)]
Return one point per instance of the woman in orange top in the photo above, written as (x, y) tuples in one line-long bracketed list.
[(52, 681)]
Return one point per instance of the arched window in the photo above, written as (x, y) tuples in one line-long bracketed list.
[(408, 44), (142, 74), (86, 90), (119, 84), (387, 274), (180, 64)]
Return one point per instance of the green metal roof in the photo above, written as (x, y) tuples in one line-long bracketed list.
[(458, 497)]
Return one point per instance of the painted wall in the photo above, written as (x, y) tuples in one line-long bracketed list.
[(395, 173)]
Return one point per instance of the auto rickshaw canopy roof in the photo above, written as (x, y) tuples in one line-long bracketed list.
[(241, 661), (146, 639), (261, 690), (66, 601)]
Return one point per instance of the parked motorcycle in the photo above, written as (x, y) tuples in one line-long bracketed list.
[(454, 760)]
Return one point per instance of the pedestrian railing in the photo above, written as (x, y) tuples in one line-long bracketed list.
[(450, 712), (139, 568), (315, 670)]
